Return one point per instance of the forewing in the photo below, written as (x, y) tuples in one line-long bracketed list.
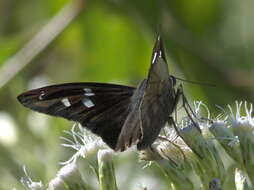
[(154, 110), (102, 108), (131, 131), (158, 100)]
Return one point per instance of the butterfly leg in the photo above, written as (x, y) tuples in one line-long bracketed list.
[(186, 106), (171, 120)]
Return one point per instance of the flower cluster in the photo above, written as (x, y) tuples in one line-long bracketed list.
[(221, 156), (198, 152)]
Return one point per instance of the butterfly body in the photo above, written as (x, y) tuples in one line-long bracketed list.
[(122, 116)]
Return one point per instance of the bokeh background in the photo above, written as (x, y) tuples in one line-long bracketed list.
[(208, 41)]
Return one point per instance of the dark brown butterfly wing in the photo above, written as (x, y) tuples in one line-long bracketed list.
[(102, 108), (159, 98), (131, 131), (152, 103)]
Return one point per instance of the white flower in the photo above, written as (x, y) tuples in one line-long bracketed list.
[(67, 175), (29, 183), (67, 171), (239, 120), (56, 184), (105, 155), (83, 142)]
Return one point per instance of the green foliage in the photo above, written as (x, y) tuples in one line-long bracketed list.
[(111, 41)]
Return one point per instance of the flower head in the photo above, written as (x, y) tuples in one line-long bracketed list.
[(83, 142), (243, 128), (68, 175), (246, 121)]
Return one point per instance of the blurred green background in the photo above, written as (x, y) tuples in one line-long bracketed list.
[(111, 41)]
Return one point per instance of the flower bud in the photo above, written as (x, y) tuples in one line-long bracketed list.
[(68, 176), (243, 127), (207, 155), (106, 170), (227, 139), (56, 184)]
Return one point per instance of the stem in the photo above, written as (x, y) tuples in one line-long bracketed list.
[(12, 66)]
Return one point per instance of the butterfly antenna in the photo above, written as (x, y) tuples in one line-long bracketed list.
[(195, 82)]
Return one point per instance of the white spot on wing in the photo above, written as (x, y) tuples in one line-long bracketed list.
[(87, 89), (160, 54), (66, 102), (154, 57), (88, 103), (88, 92), (42, 93)]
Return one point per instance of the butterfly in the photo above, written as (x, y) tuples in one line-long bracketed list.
[(121, 115)]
